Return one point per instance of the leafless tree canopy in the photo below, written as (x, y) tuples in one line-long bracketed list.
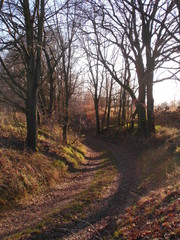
[(116, 49)]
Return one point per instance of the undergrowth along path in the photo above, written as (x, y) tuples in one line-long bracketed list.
[(28, 214), (84, 206)]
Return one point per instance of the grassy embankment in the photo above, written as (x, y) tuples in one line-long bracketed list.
[(156, 215), (45, 168), (83, 207), (25, 173)]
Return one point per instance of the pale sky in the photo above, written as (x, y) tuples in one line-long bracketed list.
[(166, 91)]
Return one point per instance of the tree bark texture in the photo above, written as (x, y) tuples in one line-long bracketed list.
[(33, 69), (141, 109), (97, 116), (109, 103)]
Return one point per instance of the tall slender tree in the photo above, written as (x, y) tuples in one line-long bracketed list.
[(22, 26)]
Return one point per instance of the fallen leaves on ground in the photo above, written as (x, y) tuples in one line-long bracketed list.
[(156, 216)]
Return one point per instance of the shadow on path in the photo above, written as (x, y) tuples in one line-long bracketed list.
[(103, 217)]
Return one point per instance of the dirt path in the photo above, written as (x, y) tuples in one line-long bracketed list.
[(99, 221), (37, 209), (102, 221)]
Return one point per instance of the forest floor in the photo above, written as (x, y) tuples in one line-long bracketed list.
[(97, 202)]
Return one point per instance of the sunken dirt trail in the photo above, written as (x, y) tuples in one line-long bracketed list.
[(98, 223)]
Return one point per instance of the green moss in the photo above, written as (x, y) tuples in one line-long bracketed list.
[(73, 155), (60, 165)]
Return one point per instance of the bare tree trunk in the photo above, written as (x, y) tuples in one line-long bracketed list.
[(33, 61), (51, 82), (96, 107), (150, 105), (109, 103), (1, 4), (141, 110), (105, 110), (120, 107), (149, 79), (42, 105), (66, 104), (51, 97), (31, 118), (103, 119), (128, 111), (65, 126), (123, 119)]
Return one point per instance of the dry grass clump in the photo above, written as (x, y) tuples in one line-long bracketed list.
[(24, 173), (160, 160), (156, 215)]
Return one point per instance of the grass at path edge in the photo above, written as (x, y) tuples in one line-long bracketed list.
[(75, 210)]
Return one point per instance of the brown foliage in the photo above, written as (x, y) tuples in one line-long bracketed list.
[(166, 117)]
